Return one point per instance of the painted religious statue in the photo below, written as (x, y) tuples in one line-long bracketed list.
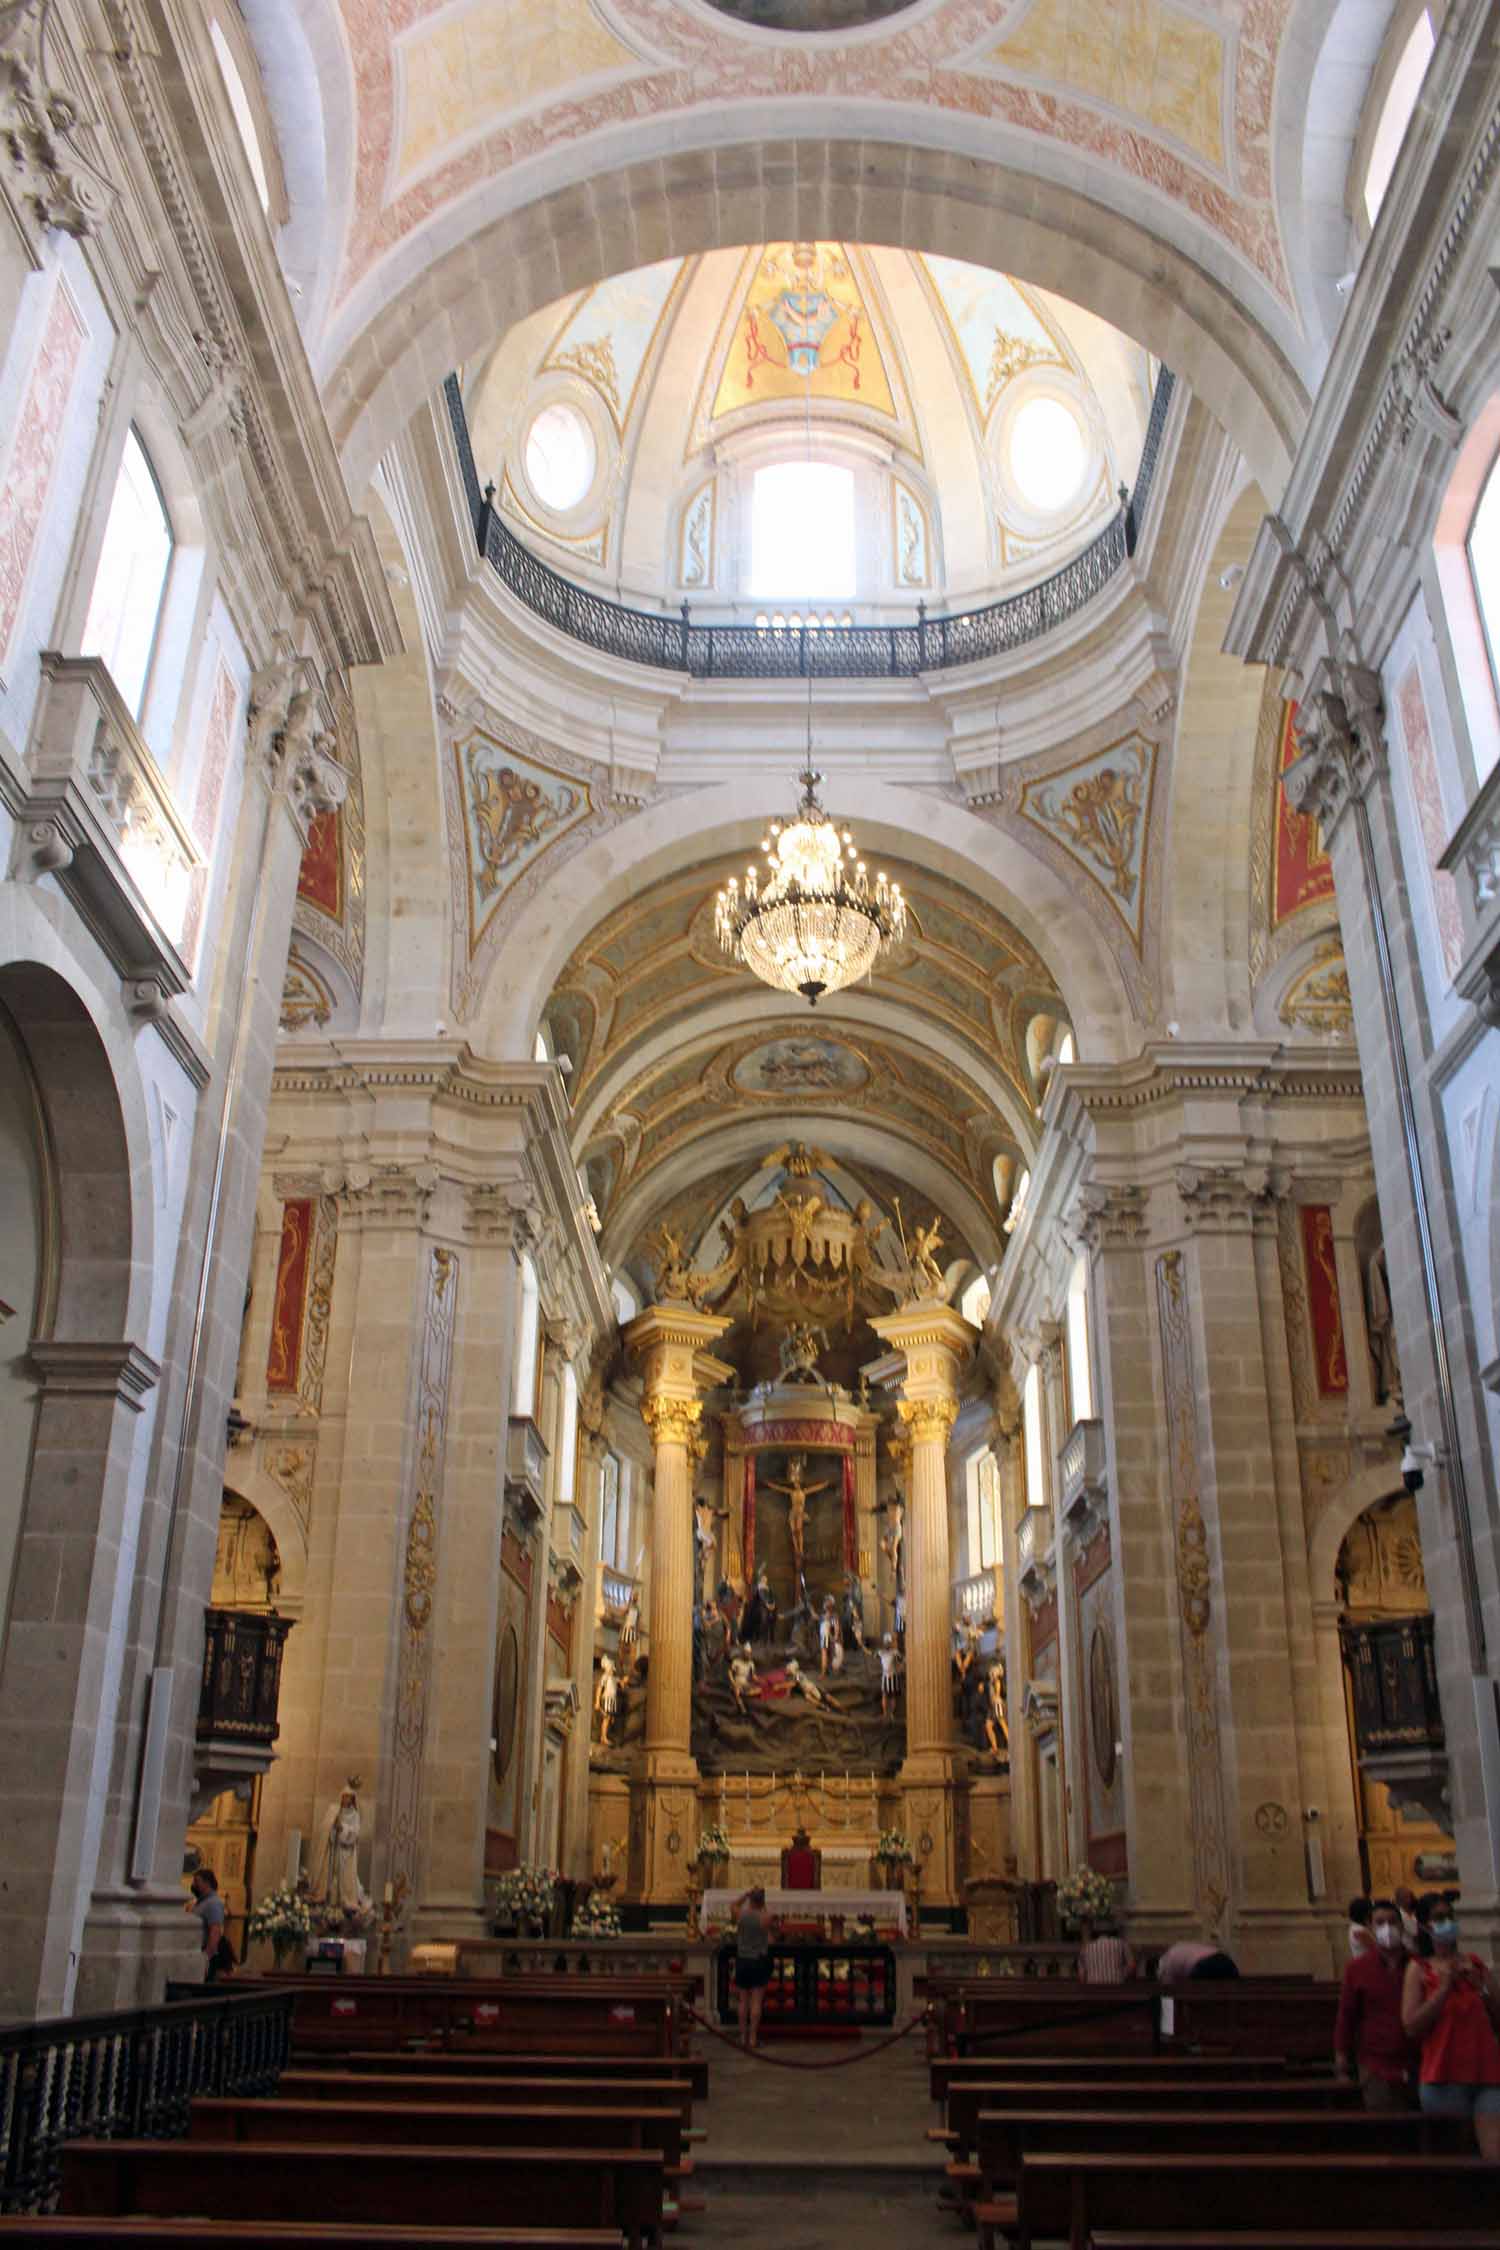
[(337, 1879), (798, 1493)]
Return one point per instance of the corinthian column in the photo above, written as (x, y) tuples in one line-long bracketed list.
[(937, 1343), (671, 1342)]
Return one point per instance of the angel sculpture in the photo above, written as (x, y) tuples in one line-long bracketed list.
[(675, 1278)]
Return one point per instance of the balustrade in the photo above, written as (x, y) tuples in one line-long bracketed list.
[(753, 651), (974, 1598), (526, 1467), (127, 2075), (1083, 1481), (1473, 859)]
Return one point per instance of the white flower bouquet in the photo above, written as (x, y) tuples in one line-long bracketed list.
[(525, 1894), (283, 1918), (713, 1841), (597, 1917), (1085, 1895), (892, 1847)]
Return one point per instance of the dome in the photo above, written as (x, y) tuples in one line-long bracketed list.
[(816, 428)]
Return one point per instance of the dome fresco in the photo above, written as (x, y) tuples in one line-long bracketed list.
[(949, 432)]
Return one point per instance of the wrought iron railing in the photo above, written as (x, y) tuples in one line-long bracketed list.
[(752, 652), (130, 2075)]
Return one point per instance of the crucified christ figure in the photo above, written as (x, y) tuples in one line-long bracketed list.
[(797, 1496)]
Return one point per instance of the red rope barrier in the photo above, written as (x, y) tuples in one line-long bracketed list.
[(836, 2062)]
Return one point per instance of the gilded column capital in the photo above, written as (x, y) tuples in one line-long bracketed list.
[(672, 1421), (928, 1418)]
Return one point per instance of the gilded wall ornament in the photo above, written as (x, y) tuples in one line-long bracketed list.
[(420, 1563)]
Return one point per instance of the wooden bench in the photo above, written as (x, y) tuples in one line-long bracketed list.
[(304, 2082), (1072, 2196), (1256, 2240), (967, 2098), (1146, 2069), (642, 2016), (449, 2125), (692, 2070), (280, 2234), (1251, 2015), (620, 2189)]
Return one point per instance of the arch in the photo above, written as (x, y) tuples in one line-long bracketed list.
[(248, 1481), (470, 276), (946, 839), (1380, 1481), (103, 1197)]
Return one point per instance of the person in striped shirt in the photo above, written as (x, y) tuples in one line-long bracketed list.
[(1103, 1957)]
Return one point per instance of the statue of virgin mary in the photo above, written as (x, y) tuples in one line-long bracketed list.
[(338, 1869)]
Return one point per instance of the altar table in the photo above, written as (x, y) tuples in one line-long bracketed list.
[(814, 1906)]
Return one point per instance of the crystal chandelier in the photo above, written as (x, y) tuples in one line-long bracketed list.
[(813, 922)]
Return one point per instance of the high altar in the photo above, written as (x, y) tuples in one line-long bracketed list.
[(799, 1666)]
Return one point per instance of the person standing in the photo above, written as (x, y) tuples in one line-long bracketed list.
[(1369, 2039), (1452, 2004), (218, 1955), (752, 1962)]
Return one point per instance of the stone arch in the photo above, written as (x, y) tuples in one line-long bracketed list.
[(250, 1482), (104, 1196), (944, 838), (447, 300), (1381, 1481)]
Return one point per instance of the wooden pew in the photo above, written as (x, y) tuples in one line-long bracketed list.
[(1262, 2015), (450, 2125), (1257, 2240), (327, 2083), (1071, 2196), (944, 2070), (967, 2098), (641, 2016), (692, 2070), (63, 2233), (412, 2186)]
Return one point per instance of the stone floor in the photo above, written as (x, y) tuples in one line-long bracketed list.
[(811, 2158)]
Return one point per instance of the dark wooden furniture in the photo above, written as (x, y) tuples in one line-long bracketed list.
[(67, 2233), (826, 1984), (450, 2125), (967, 2099), (690, 2070), (1072, 2196)]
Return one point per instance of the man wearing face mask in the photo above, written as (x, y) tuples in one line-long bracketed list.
[(1452, 2004), (1368, 2039)]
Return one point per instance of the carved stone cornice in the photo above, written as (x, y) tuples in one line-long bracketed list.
[(47, 179), (71, 1368), (501, 1213), (1113, 1215)]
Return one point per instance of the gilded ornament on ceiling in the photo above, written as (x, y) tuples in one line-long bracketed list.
[(802, 331), (1318, 998), (1099, 811), (514, 809), (800, 1067)]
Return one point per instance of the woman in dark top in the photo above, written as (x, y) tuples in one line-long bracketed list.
[(752, 1962)]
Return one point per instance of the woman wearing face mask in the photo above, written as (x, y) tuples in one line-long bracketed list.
[(1452, 2004)]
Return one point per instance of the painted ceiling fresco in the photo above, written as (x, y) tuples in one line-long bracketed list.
[(657, 1078), (449, 98)]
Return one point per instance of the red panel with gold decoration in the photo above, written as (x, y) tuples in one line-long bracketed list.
[(1301, 871), (284, 1358), (1323, 1301), (321, 879)]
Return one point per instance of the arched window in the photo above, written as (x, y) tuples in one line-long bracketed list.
[(523, 1386), (802, 532), (984, 1511), (1483, 548), (609, 1508), (975, 1302), (1080, 1372), (1395, 115), (131, 581), (567, 1438)]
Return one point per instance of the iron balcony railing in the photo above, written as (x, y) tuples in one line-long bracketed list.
[(844, 652)]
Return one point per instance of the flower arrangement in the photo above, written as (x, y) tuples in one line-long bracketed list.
[(713, 1841), (1085, 1895), (282, 1917), (892, 1847), (597, 1917), (525, 1894), (334, 1920)]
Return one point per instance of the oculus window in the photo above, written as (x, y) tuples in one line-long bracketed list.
[(1484, 565), (1048, 454), (561, 457), (125, 607), (802, 532)]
